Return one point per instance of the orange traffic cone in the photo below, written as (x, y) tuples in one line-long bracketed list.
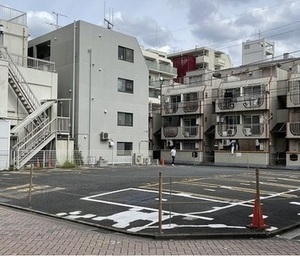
[(257, 218)]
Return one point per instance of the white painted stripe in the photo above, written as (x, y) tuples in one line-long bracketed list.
[(209, 189), (91, 198), (295, 203)]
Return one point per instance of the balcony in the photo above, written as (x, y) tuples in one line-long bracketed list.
[(241, 103), (182, 108), (202, 59), (242, 131), (182, 132), (219, 62), (293, 130), (293, 99), (161, 68)]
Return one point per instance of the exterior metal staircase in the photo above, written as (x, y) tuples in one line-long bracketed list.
[(38, 128), (19, 84)]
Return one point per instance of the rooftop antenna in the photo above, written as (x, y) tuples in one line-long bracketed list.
[(108, 22), (57, 14)]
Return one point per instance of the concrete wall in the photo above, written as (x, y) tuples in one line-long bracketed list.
[(15, 38), (242, 158), (64, 151), (96, 96), (3, 88), (4, 144)]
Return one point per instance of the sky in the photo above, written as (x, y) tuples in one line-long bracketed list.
[(177, 25)]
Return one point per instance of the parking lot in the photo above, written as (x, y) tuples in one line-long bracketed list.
[(196, 200)]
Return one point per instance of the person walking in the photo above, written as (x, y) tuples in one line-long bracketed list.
[(173, 154)]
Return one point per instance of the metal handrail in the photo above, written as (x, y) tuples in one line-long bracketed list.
[(20, 80)]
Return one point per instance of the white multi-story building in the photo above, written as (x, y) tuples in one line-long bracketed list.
[(104, 74), (28, 96), (254, 51)]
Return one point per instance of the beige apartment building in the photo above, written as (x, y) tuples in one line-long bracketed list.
[(241, 116)]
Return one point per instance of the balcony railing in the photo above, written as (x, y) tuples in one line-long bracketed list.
[(161, 67), (241, 103), (180, 108), (33, 63), (293, 98), (293, 128), (12, 15), (182, 132), (241, 131)]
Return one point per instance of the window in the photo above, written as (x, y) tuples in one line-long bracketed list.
[(252, 122), (193, 96), (125, 119), (246, 46), (125, 85), (125, 54), (295, 92), (253, 95), (124, 148), (189, 145)]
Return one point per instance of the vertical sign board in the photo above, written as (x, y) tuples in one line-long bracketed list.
[(4, 144)]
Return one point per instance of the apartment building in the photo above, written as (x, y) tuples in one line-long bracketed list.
[(256, 122), (187, 109), (200, 58), (104, 74), (161, 74), (257, 51), (28, 97), (243, 116), (292, 126)]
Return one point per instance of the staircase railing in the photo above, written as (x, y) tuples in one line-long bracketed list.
[(21, 86), (33, 142)]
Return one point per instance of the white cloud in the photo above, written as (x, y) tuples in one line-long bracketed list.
[(39, 23)]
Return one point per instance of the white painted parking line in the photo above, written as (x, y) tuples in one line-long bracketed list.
[(93, 199), (295, 203)]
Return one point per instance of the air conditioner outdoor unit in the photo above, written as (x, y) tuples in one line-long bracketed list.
[(138, 159), (230, 132), (224, 134), (167, 99), (147, 161), (104, 136)]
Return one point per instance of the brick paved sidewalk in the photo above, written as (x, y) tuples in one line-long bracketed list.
[(29, 233)]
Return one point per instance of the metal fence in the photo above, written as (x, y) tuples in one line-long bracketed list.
[(72, 158), (13, 15)]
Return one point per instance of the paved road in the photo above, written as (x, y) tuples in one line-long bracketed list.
[(29, 233), (197, 200)]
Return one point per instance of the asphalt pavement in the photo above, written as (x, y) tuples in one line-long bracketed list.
[(198, 202)]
